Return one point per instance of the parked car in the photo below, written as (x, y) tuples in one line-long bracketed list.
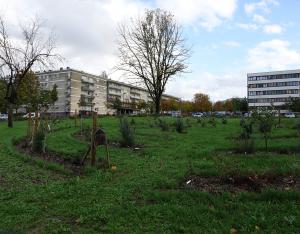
[(289, 115), (32, 115), (3, 116), (175, 113), (197, 115), (247, 115)]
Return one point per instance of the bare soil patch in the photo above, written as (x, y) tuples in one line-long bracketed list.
[(251, 183)]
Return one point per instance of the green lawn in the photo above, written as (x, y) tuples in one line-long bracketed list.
[(145, 194)]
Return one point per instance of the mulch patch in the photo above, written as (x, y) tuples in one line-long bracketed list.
[(111, 143), (75, 167), (253, 183)]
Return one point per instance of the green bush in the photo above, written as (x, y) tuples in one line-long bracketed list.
[(179, 125), (39, 139), (164, 126), (127, 132), (224, 121)]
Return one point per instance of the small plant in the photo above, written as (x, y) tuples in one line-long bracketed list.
[(297, 127), (199, 121), (163, 124), (127, 132), (132, 122), (212, 121), (245, 142), (203, 124), (86, 132), (224, 121), (265, 120), (179, 125)]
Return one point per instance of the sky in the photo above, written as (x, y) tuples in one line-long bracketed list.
[(229, 38)]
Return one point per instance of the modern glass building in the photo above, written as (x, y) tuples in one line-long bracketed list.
[(273, 88)]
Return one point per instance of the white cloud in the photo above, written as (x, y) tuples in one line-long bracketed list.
[(208, 14), (259, 19), (263, 5), (232, 43), (218, 87), (273, 55), (86, 29), (249, 27), (273, 29)]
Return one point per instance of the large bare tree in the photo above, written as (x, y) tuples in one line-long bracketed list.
[(152, 49), (19, 55)]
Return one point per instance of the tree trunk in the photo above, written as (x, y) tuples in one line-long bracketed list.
[(10, 116), (157, 107)]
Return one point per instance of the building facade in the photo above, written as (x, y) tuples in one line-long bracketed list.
[(79, 91), (268, 89)]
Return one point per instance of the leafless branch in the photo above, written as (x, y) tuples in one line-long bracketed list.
[(152, 50)]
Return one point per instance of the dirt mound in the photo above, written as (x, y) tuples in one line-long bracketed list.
[(252, 183)]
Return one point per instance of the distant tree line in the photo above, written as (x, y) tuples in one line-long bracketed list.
[(202, 103)]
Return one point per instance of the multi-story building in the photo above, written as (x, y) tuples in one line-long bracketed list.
[(83, 92), (273, 88), (77, 90)]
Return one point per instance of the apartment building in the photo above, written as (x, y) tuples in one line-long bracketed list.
[(77, 91), (83, 92), (273, 88)]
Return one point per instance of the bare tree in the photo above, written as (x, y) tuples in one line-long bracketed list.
[(152, 49), (19, 56)]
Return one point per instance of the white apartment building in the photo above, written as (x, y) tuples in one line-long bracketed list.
[(273, 88), (74, 86), (79, 91)]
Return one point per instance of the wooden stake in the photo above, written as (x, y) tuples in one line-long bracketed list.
[(93, 146), (107, 152), (29, 126), (75, 117)]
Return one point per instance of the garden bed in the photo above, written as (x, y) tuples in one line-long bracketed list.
[(250, 183)]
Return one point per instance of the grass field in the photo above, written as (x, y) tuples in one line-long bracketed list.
[(146, 192)]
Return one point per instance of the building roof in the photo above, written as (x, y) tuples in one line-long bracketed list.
[(274, 72)]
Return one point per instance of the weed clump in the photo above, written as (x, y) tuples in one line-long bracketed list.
[(127, 132), (179, 125), (212, 121), (224, 121), (39, 139)]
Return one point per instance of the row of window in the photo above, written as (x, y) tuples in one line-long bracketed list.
[(274, 84), (114, 90), (271, 77), (268, 100), (273, 92)]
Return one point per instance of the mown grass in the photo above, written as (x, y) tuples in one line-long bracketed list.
[(143, 195)]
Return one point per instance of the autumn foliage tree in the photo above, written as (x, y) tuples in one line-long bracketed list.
[(202, 102)]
